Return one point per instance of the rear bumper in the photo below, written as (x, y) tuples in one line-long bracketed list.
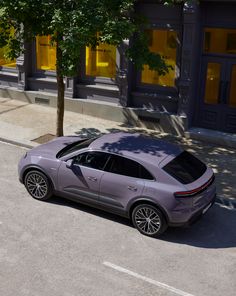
[(196, 215)]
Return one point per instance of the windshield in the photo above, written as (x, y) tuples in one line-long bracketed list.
[(75, 146)]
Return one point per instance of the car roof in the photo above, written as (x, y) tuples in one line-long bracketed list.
[(136, 146)]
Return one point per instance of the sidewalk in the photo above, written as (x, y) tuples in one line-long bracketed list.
[(23, 123)]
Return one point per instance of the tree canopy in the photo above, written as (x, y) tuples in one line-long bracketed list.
[(74, 24)]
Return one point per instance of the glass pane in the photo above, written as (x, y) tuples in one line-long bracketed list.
[(101, 61), (46, 53), (4, 61), (220, 41), (123, 166), (95, 160), (185, 168), (232, 98), (212, 83), (163, 42), (3, 51)]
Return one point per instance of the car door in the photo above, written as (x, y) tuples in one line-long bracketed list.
[(82, 178), (120, 182)]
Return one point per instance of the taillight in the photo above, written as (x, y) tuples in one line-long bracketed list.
[(196, 191)]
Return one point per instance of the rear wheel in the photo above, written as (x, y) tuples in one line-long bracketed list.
[(149, 220), (38, 185)]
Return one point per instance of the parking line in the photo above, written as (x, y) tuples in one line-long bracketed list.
[(146, 279)]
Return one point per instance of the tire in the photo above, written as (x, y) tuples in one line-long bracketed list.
[(149, 220), (38, 185)]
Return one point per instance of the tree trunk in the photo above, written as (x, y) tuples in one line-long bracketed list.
[(60, 91)]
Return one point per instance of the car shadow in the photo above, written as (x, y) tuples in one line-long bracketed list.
[(215, 230), (90, 210)]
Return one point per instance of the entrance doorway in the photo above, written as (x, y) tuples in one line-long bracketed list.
[(218, 87)]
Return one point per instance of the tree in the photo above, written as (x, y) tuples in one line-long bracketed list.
[(74, 24)]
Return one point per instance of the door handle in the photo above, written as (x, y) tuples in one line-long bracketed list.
[(93, 179), (225, 93), (132, 188), (221, 92)]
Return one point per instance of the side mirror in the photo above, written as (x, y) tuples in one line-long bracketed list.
[(69, 163)]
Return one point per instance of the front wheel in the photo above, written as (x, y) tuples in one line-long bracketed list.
[(148, 220), (38, 185)]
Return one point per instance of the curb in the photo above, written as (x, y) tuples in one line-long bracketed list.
[(17, 143)]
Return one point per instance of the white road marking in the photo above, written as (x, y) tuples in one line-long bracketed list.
[(146, 279)]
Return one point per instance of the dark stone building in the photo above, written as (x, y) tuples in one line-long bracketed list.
[(198, 39)]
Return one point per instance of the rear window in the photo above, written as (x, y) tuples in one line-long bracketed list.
[(185, 168)]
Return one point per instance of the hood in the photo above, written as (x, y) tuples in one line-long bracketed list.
[(51, 148)]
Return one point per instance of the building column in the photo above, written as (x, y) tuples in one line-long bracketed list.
[(70, 83), (23, 65), (122, 74), (190, 49)]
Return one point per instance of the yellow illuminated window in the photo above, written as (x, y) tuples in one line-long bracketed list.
[(46, 53), (212, 83), (4, 61), (163, 42), (3, 51), (220, 41), (101, 61)]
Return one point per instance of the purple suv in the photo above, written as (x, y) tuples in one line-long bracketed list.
[(153, 182)]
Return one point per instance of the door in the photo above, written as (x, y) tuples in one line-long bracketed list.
[(218, 94), (82, 178), (217, 106), (122, 182)]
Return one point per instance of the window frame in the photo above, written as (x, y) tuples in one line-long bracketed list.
[(4, 68), (214, 54), (86, 79), (39, 72), (108, 160), (184, 167), (150, 88), (141, 166), (92, 151)]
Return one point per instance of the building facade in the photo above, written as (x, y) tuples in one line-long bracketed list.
[(198, 39)]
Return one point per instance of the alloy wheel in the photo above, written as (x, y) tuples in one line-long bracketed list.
[(149, 220), (37, 185)]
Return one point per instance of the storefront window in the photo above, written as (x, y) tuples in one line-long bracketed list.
[(101, 61), (212, 83), (46, 53), (220, 41), (163, 42), (4, 62)]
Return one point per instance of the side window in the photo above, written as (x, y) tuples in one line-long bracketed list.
[(95, 160), (127, 167), (144, 174)]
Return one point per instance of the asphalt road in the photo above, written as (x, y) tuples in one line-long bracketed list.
[(65, 249)]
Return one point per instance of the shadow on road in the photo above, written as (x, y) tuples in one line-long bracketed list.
[(216, 229)]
